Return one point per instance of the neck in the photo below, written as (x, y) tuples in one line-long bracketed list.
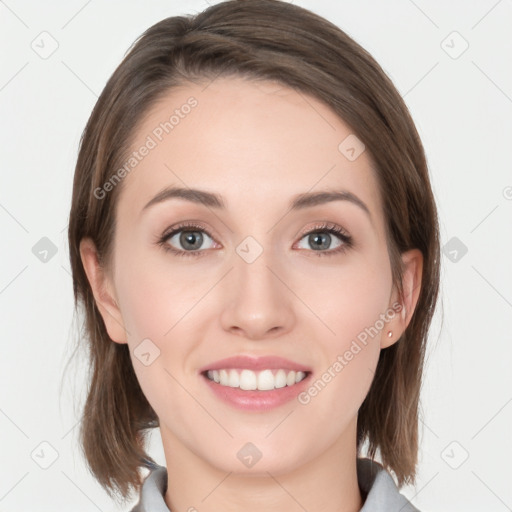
[(327, 483)]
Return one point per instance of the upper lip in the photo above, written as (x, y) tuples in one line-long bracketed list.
[(255, 364)]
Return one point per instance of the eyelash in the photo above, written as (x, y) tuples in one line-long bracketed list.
[(320, 228)]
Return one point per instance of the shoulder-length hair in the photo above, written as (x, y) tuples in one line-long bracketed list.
[(261, 40)]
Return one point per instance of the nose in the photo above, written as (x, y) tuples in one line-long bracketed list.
[(258, 301)]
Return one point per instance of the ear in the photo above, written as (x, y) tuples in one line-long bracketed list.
[(103, 291), (404, 306)]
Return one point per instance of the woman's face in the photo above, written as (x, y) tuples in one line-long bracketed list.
[(251, 281)]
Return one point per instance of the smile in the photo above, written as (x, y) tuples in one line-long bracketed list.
[(249, 380)]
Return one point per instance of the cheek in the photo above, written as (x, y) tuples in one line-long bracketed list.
[(146, 302), (348, 298), (337, 393), (153, 299), (350, 302), (155, 315)]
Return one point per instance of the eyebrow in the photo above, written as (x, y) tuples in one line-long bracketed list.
[(216, 201)]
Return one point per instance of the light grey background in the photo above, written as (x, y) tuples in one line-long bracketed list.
[(462, 104)]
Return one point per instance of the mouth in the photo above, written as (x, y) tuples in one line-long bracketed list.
[(249, 380)]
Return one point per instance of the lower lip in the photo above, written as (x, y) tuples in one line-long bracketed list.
[(255, 400)]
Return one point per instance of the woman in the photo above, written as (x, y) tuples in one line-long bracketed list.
[(254, 239)]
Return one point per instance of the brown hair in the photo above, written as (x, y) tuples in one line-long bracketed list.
[(262, 40)]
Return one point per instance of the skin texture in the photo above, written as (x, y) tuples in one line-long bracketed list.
[(258, 144)]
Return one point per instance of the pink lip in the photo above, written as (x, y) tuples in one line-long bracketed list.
[(255, 364), (256, 400)]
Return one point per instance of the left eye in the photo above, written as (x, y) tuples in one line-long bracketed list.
[(321, 240)]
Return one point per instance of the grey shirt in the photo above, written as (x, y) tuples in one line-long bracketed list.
[(378, 489)]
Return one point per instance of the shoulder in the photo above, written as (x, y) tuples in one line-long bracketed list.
[(382, 494)]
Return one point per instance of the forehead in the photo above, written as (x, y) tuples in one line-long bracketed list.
[(251, 141)]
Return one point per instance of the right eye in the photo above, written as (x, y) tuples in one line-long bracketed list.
[(189, 236)]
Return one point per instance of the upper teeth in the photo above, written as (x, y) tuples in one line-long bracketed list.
[(249, 380)]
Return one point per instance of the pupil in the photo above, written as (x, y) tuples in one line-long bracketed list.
[(318, 237), (188, 237)]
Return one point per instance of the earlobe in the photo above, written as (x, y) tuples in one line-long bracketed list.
[(103, 291), (405, 305)]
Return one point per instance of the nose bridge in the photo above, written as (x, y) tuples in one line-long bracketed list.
[(253, 261), (259, 301)]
